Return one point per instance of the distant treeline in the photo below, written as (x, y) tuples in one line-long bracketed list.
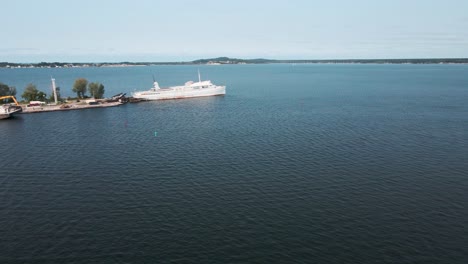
[(226, 60), (382, 61), (68, 64)]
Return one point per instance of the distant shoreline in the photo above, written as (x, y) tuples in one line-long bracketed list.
[(230, 61)]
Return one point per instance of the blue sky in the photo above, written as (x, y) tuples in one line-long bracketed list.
[(177, 30)]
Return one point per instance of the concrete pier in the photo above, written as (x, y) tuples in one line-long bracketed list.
[(66, 107)]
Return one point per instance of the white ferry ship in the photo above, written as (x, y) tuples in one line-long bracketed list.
[(189, 90)]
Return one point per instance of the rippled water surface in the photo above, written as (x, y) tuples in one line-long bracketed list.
[(296, 164)]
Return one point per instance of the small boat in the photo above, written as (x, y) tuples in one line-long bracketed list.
[(118, 96), (7, 110), (188, 90)]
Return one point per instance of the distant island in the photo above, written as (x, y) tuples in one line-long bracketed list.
[(226, 60)]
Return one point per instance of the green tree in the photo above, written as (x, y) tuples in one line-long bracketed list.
[(96, 90), (12, 90), (31, 93), (41, 96), (80, 87), (7, 90)]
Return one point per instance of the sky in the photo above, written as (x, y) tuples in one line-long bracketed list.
[(184, 30)]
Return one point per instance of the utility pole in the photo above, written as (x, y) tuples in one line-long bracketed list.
[(55, 90)]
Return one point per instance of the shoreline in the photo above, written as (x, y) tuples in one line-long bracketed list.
[(231, 61), (292, 63)]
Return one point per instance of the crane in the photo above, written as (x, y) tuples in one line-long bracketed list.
[(9, 97)]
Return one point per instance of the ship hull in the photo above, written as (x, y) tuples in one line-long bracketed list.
[(180, 93)]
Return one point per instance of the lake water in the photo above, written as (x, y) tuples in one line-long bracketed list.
[(296, 164)]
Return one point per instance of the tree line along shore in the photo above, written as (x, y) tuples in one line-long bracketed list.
[(227, 60), (81, 87)]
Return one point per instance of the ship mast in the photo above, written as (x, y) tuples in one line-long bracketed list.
[(199, 79)]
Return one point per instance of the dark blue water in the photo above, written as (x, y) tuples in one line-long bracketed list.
[(296, 164)]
